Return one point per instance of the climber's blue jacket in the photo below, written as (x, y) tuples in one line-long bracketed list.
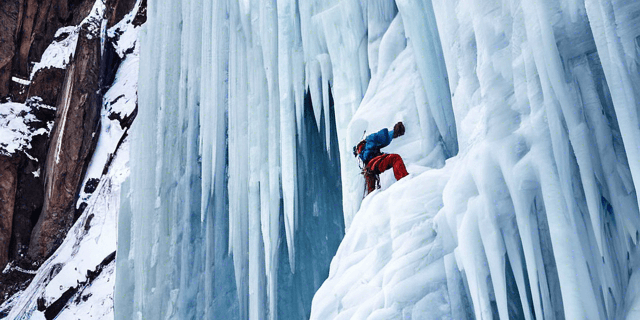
[(375, 142)]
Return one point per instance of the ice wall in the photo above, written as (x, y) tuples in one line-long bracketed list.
[(537, 215), (235, 195), (522, 131)]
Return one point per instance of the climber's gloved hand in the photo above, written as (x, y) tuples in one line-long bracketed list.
[(398, 129)]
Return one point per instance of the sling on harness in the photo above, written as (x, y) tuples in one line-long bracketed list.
[(374, 161)]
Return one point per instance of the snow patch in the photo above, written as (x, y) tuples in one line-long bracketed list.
[(125, 33), (18, 125), (118, 102), (90, 240), (21, 81), (60, 52)]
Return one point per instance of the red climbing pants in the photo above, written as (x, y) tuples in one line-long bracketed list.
[(381, 164)]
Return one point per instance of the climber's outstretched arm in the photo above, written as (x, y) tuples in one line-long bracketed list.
[(379, 139)]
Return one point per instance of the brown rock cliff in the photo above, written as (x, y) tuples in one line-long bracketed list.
[(8, 179), (27, 27), (72, 142)]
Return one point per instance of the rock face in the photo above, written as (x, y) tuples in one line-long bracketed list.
[(38, 195), (8, 177), (8, 22), (47, 84), (81, 86), (39, 21), (28, 202), (26, 29), (117, 9), (72, 143), (52, 67)]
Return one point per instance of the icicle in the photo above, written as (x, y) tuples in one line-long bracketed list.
[(259, 196), (576, 126), (475, 263), (315, 86), (271, 223), (557, 182), (625, 99), (209, 90), (415, 16), (238, 162), (344, 29), (325, 68), (287, 119), (494, 208), (569, 259), (454, 285)]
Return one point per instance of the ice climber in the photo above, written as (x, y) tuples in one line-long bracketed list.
[(375, 161)]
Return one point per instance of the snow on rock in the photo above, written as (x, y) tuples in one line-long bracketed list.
[(15, 133), (19, 124), (77, 281), (82, 266), (119, 102), (96, 300), (60, 52), (122, 98), (21, 81), (125, 32)]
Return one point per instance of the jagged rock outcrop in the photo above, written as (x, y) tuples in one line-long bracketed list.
[(27, 27), (53, 70), (39, 20)]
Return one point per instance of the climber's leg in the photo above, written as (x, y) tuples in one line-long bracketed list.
[(370, 181), (393, 161)]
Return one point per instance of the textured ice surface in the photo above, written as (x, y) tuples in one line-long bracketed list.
[(537, 215)]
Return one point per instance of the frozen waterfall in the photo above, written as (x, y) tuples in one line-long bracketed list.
[(537, 215), (522, 144), (235, 204)]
